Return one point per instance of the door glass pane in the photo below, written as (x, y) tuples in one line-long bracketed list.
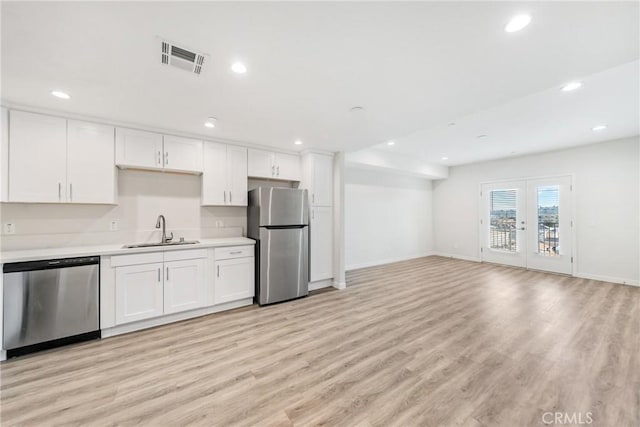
[(548, 225), (503, 214)]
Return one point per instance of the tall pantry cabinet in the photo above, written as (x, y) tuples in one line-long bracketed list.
[(317, 178)]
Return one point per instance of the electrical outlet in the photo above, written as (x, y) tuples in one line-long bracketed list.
[(8, 228), (113, 226)]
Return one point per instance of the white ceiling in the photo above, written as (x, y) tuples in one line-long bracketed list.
[(413, 66)]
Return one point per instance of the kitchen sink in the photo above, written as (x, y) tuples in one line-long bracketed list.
[(149, 245)]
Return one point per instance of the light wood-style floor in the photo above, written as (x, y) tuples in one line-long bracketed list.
[(426, 342)]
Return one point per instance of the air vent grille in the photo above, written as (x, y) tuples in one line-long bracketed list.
[(181, 57)]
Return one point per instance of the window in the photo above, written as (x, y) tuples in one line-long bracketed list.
[(548, 202), (503, 213)]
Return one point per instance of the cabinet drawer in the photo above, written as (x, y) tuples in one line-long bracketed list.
[(178, 255), (234, 252), (135, 259)]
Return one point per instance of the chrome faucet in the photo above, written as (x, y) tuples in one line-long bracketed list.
[(165, 239)]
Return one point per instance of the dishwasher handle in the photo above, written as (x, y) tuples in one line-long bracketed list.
[(50, 264)]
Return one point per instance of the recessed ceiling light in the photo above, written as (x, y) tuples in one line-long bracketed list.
[(298, 142), (239, 67), (599, 128), (452, 124), (445, 158), (517, 23), (60, 94), (391, 143), (356, 109), (481, 136), (210, 123), (571, 86)]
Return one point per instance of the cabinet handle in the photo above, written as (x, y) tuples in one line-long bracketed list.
[(273, 170), (313, 214), (167, 273), (278, 169), (218, 273), (159, 162), (225, 197), (59, 191), (313, 197), (166, 158), (230, 197), (235, 252), (70, 192), (158, 275)]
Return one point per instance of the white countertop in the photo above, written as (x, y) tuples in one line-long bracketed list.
[(79, 251)]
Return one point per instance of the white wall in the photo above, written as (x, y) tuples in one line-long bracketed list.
[(606, 193), (387, 217), (143, 195)]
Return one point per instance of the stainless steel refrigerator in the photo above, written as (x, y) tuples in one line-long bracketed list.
[(278, 219)]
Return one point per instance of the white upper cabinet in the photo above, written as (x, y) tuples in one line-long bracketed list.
[(318, 178), (4, 155), (58, 161), (214, 174), (91, 171), (287, 166), (182, 154), (148, 150), (38, 155), (237, 175), (266, 164), (260, 163), (224, 177), (136, 148)]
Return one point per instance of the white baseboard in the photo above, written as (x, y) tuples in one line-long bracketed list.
[(610, 279), (171, 318), (320, 284), (387, 261), (339, 285), (455, 256)]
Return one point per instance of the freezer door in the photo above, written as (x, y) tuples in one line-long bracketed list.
[(44, 305), (280, 206), (284, 264)]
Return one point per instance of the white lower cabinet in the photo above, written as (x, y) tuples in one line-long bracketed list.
[(234, 274), (139, 292), (184, 285)]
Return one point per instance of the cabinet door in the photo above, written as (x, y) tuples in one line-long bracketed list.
[(138, 292), (38, 152), (184, 285), (322, 180), (287, 167), (214, 174), (182, 154), (91, 170), (321, 230), (260, 163), (136, 148), (237, 175), (234, 280)]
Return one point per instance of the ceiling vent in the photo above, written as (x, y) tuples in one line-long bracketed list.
[(181, 57)]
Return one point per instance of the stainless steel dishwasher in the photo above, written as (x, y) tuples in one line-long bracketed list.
[(50, 303)]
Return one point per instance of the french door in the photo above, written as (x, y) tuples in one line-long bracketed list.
[(528, 223)]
